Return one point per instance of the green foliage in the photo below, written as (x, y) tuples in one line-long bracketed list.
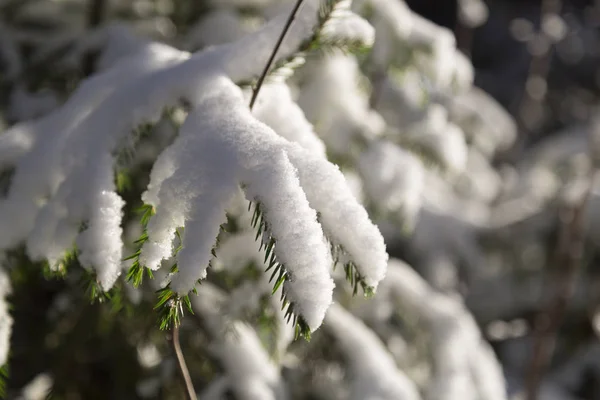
[(125, 171), (170, 308), (87, 278), (322, 43), (318, 45), (135, 275), (280, 273), (327, 45), (92, 288), (352, 275), (123, 180), (169, 304), (76, 341), (4, 370), (285, 68), (267, 324)]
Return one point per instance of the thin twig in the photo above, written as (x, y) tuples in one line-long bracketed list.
[(262, 77), (183, 369), (569, 256)]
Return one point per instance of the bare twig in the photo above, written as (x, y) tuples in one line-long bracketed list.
[(568, 258), (262, 77), (183, 369)]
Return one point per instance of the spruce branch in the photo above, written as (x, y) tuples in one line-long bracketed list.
[(135, 275), (346, 47), (268, 242), (351, 272), (262, 77), (317, 44), (93, 289), (170, 307)]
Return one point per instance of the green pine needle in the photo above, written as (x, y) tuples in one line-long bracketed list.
[(147, 212), (302, 330), (3, 380), (123, 181), (314, 44), (4, 369), (170, 308), (60, 268), (331, 45), (279, 275), (93, 290), (135, 275), (352, 275)]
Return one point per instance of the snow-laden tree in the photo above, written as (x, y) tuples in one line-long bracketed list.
[(147, 157)]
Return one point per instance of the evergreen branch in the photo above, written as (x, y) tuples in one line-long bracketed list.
[(60, 268), (315, 43), (88, 280), (302, 329), (123, 181), (268, 325), (180, 241), (333, 44), (287, 26), (170, 308), (286, 67), (351, 272), (147, 212), (93, 289), (125, 155), (281, 274), (135, 275), (139, 132)]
